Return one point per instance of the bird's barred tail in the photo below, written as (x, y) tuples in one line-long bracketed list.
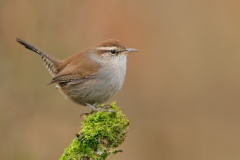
[(49, 61)]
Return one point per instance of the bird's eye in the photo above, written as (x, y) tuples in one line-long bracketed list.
[(113, 51)]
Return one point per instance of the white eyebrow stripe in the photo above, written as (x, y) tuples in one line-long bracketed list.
[(106, 48)]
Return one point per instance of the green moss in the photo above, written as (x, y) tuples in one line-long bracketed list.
[(102, 132)]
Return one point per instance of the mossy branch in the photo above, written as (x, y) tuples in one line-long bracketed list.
[(100, 135)]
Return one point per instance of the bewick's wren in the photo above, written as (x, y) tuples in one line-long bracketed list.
[(90, 77)]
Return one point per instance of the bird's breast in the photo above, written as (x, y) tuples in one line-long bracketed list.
[(113, 73)]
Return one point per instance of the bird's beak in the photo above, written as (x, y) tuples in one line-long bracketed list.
[(131, 50)]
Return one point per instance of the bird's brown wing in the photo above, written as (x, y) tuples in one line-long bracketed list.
[(77, 68)]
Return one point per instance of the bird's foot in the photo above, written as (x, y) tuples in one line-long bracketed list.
[(92, 107), (102, 108)]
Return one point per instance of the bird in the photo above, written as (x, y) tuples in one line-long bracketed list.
[(90, 77)]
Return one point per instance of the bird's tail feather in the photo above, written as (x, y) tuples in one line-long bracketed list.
[(49, 61)]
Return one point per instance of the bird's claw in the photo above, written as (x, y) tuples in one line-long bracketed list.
[(103, 108)]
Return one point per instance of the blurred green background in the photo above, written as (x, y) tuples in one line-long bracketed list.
[(182, 90)]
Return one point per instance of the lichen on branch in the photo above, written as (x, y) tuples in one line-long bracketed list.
[(100, 135)]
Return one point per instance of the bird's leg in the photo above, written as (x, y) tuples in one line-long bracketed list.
[(104, 108), (92, 107)]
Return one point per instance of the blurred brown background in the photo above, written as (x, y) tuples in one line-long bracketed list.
[(182, 90)]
